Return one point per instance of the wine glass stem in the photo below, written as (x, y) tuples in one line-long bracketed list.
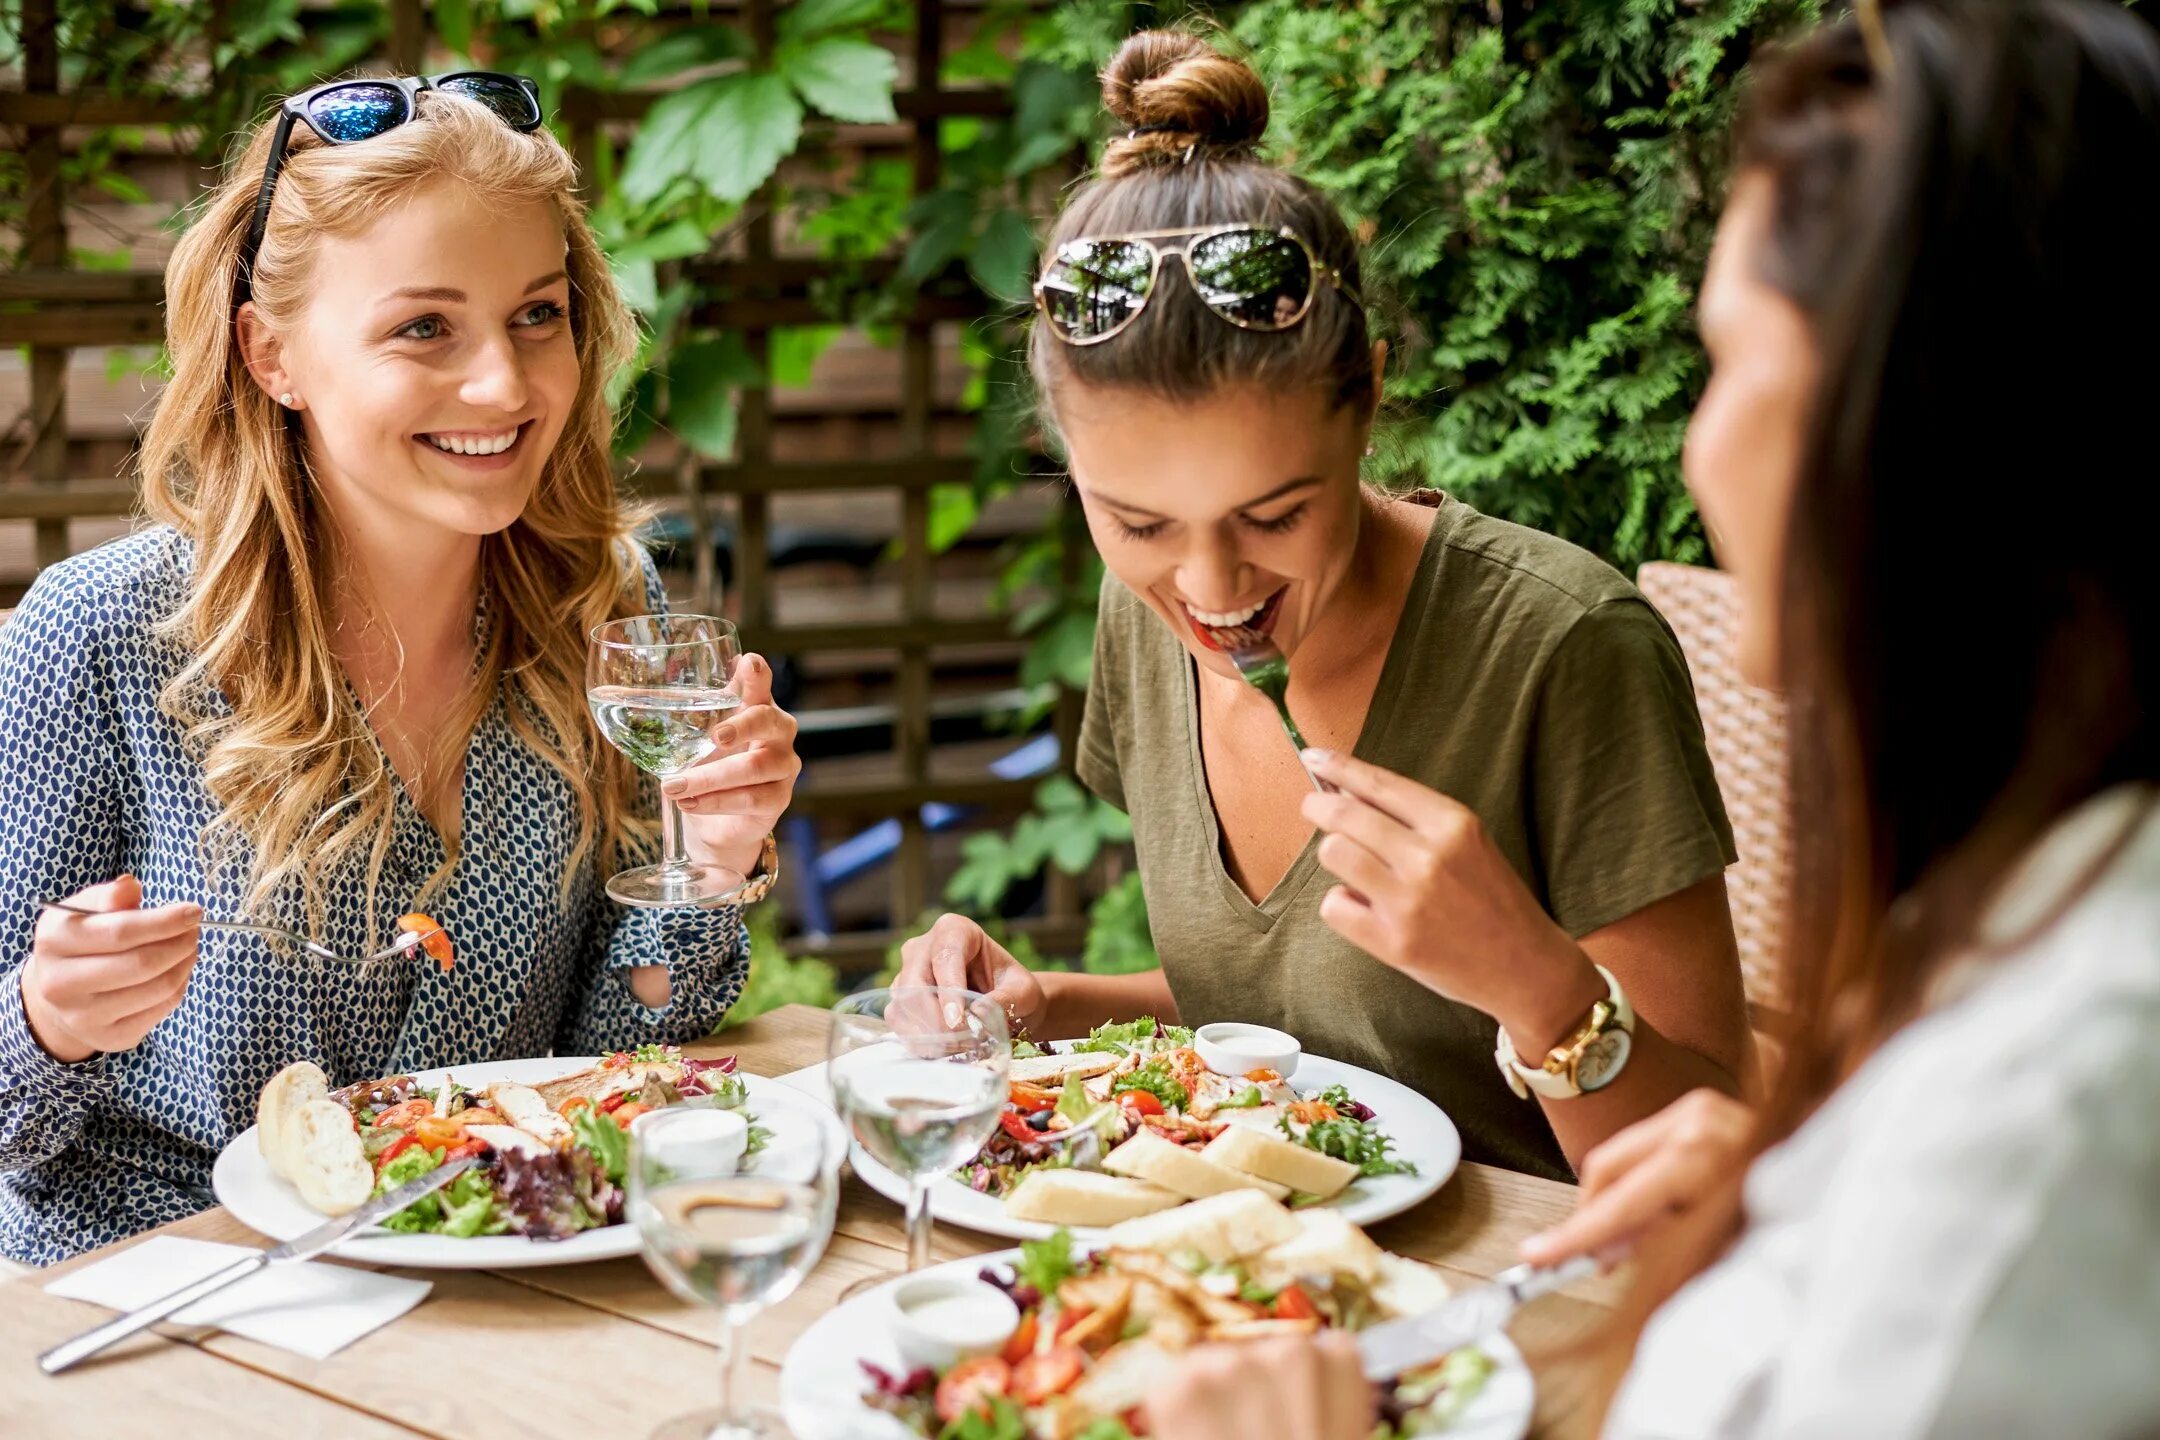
[(731, 1347), (918, 1226), (674, 855)]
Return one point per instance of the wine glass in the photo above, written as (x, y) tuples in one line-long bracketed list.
[(918, 1073), (657, 685), (737, 1236)]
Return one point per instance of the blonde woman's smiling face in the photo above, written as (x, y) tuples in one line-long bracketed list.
[(1238, 509), (435, 363)]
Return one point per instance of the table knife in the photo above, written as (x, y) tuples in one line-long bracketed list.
[(1399, 1345), (323, 1237)]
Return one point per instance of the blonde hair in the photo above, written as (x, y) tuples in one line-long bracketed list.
[(289, 759)]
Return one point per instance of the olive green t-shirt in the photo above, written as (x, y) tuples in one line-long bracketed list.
[(1528, 680)]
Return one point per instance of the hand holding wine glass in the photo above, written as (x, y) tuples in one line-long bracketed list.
[(919, 1075)]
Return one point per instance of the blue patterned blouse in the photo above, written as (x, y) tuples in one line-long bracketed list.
[(94, 782)]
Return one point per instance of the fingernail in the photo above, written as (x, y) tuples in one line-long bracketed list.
[(725, 735), (1314, 756), (952, 1014), (672, 788)]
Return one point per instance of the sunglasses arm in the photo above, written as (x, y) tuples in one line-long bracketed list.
[(253, 241)]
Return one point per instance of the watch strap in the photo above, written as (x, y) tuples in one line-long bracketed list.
[(762, 878), (1525, 1080)]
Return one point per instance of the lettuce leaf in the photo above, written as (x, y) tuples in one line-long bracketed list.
[(1045, 1264), (600, 1137), (1153, 1077)]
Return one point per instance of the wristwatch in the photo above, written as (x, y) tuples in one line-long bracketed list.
[(761, 879), (1590, 1059)]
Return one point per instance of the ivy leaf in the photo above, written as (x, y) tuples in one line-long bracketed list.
[(729, 133), (1052, 108), (1063, 652), (850, 80), (813, 18), (453, 24), (689, 48), (942, 220), (952, 511), (639, 282), (672, 241), (702, 379), (1003, 257)]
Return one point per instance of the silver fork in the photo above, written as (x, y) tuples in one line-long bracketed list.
[(1267, 670), (407, 943)]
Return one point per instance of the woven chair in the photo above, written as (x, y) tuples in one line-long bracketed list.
[(1745, 728)]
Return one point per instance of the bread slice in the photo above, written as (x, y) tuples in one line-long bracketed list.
[(289, 1090), (1271, 1157), (1325, 1247), (1084, 1197), (1408, 1287), (1051, 1070), (1220, 1228), (329, 1164), (522, 1106), (1148, 1156), (507, 1137), (1124, 1378)]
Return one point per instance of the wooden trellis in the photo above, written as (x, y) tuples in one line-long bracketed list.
[(52, 309)]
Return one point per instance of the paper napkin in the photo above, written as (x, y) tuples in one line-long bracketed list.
[(811, 1080), (310, 1309)]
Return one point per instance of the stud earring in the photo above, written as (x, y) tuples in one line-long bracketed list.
[(285, 399)]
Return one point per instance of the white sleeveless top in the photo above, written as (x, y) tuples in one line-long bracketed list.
[(1965, 1240)]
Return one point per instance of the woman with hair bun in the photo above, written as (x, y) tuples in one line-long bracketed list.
[(1518, 805)]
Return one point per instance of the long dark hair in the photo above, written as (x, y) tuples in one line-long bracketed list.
[(1190, 157), (1968, 624)]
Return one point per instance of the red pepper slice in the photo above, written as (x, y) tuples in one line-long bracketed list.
[(1018, 1128), (396, 1148), (614, 1102)]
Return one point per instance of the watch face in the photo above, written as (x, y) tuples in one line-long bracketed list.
[(1602, 1060)]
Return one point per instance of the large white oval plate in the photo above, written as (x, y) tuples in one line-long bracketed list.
[(821, 1380), (1421, 1130), (264, 1202)]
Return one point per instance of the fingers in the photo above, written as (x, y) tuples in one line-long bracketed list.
[(1342, 813), (1351, 916), (955, 946), (154, 996), (753, 680), (1404, 800), (1349, 1405), (1665, 1166), (115, 931), (1358, 867), (769, 798), (1614, 1217), (1623, 1151)]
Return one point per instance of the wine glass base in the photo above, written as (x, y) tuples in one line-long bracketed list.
[(660, 886), (716, 1424)]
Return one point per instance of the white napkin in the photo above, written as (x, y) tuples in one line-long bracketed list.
[(311, 1310), (811, 1080)]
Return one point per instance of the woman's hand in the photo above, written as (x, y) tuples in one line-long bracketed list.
[(1312, 1388), (99, 983), (1654, 1169), (1426, 891), (731, 799), (959, 953)]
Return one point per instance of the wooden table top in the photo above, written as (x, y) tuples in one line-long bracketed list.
[(602, 1349)]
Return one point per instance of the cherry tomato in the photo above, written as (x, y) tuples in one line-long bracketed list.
[(438, 1132), (1140, 1102), (624, 1114), (394, 1149), (572, 1105), (406, 1115), (1294, 1304), (1022, 1343), (1016, 1127), (1038, 1377), (969, 1384)]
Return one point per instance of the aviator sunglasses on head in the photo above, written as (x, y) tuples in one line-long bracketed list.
[(1252, 276), (346, 111)]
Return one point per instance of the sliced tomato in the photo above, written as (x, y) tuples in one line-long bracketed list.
[(624, 1114), (969, 1384), (616, 1061), (1140, 1102), (1033, 1097), (406, 1115), (1038, 1377), (1136, 1423), (438, 1132), (1072, 1315), (433, 938), (572, 1105), (615, 1102), (1294, 1304), (394, 1149), (1022, 1343), (460, 1151), (1018, 1128)]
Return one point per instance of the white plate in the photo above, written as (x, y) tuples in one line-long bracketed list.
[(1421, 1130), (266, 1203), (822, 1382)]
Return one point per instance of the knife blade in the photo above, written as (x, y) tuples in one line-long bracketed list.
[(304, 1247), (1399, 1345)]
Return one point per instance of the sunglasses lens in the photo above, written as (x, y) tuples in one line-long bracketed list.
[(356, 112), (500, 93), (1254, 278), (1091, 287)]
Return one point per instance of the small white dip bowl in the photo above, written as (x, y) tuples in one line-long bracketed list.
[(940, 1320), (1231, 1047)]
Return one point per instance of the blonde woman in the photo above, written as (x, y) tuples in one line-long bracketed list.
[(342, 676)]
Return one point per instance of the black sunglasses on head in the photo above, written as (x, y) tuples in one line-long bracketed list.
[(344, 112)]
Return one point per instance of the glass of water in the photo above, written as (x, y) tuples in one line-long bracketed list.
[(658, 685), (918, 1073), (717, 1232)]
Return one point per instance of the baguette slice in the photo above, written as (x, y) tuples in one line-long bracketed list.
[(507, 1137), (1124, 1378), (1408, 1287), (1084, 1197), (288, 1091), (1220, 1228), (522, 1106), (1271, 1157), (1326, 1247), (1148, 1156), (1052, 1069), (330, 1168)]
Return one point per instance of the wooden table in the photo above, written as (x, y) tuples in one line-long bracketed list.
[(602, 1349)]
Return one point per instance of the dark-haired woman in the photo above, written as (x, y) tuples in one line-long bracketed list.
[(1523, 817), (1949, 1221)]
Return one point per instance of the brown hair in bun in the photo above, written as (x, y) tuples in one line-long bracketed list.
[(1199, 115)]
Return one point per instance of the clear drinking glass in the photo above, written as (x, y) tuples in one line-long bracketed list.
[(738, 1240), (657, 685), (918, 1073)]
